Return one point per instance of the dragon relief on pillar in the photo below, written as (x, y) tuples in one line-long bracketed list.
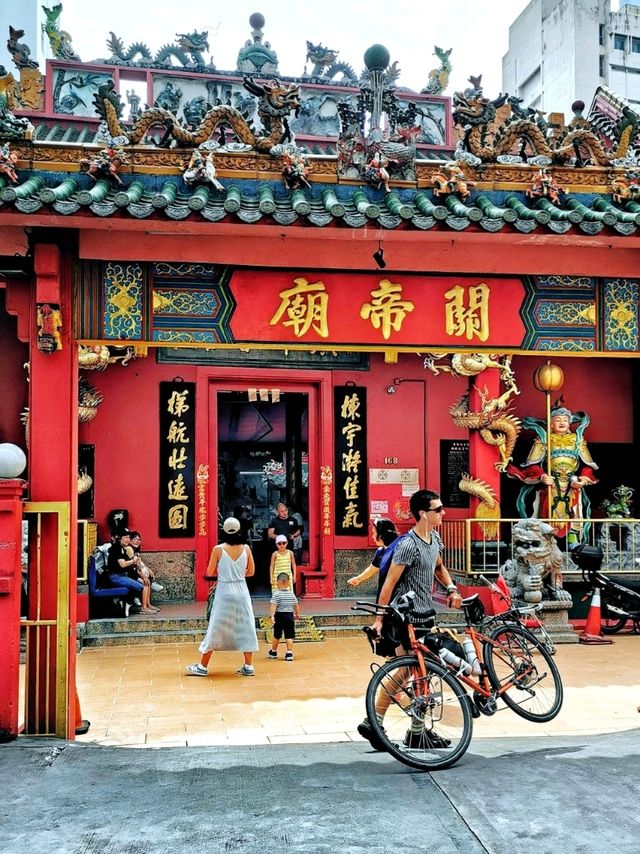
[(523, 136), (276, 101), (488, 508), (496, 425), (467, 364), (494, 421)]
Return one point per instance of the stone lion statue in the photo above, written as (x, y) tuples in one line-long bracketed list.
[(535, 571)]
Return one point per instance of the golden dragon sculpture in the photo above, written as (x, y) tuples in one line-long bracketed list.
[(468, 364), (276, 102), (493, 421), (488, 507)]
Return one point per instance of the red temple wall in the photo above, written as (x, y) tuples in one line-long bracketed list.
[(13, 379), (600, 387), (125, 431), (126, 439)]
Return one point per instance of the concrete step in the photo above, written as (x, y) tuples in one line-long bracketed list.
[(136, 630), (124, 626)]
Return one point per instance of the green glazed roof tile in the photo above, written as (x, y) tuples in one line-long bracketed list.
[(319, 206)]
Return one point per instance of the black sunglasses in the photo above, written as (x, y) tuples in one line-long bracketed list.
[(437, 509)]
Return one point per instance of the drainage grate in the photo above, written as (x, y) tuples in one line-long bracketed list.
[(306, 630)]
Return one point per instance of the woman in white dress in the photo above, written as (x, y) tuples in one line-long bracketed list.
[(232, 622)]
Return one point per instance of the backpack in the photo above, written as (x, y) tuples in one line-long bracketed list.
[(387, 556), (100, 557)]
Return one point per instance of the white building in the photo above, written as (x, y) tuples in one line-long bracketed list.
[(25, 15), (562, 50)]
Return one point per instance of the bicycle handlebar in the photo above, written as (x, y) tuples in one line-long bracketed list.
[(371, 608)]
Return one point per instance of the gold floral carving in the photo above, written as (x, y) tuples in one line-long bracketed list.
[(489, 175), (31, 91), (242, 164)]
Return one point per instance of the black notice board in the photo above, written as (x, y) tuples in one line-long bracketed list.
[(454, 462)]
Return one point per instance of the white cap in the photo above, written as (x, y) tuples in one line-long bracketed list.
[(231, 525), (281, 538)]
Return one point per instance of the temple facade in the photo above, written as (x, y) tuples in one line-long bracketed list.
[(326, 291)]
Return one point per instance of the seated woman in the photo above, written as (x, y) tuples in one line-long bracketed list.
[(118, 566), (144, 573)]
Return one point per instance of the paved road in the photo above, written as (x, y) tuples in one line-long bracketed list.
[(569, 794)]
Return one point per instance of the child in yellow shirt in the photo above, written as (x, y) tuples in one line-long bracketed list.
[(282, 560)]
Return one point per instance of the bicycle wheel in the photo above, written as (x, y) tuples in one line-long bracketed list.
[(518, 660), (424, 721)]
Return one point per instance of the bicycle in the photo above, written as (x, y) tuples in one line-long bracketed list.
[(417, 703), (525, 615)]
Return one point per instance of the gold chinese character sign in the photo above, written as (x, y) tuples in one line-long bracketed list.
[(405, 310), (350, 417), (176, 470)]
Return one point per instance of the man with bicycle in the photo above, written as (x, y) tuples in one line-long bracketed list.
[(416, 560)]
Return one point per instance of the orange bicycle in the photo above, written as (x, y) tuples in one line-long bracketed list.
[(418, 705)]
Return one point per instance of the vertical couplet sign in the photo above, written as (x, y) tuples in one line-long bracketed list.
[(350, 412), (177, 459)]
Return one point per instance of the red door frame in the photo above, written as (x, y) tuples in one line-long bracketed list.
[(318, 385)]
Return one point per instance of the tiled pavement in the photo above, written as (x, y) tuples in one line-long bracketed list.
[(141, 696)]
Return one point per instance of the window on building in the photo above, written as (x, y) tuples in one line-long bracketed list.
[(619, 42), (601, 34), (635, 45), (601, 66)]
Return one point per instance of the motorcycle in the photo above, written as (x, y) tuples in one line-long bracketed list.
[(619, 597)]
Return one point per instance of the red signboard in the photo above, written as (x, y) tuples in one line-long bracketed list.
[(393, 310)]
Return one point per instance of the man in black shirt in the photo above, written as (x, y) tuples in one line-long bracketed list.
[(282, 523)]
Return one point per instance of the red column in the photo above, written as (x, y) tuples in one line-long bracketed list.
[(53, 454), (10, 578)]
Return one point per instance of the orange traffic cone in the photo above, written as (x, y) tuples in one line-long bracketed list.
[(82, 726), (593, 630)]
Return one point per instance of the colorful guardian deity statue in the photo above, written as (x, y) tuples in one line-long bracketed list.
[(201, 169), (105, 164), (8, 161), (295, 170), (572, 469)]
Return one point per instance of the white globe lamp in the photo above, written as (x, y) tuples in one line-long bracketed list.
[(12, 460)]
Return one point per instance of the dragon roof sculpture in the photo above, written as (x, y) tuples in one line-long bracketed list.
[(519, 138), (276, 102)]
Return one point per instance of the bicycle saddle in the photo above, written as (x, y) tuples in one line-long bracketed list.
[(473, 608)]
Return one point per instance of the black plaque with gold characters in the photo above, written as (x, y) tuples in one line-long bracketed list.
[(454, 462), (177, 459), (350, 408)]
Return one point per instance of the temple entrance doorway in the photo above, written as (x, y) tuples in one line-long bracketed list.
[(263, 458)]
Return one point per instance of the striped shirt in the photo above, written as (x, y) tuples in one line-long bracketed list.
[(419, 560), (284, 600)]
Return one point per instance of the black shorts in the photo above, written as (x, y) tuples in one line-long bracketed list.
[(286, 623)]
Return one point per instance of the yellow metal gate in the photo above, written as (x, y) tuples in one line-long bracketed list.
[(46, 684)]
